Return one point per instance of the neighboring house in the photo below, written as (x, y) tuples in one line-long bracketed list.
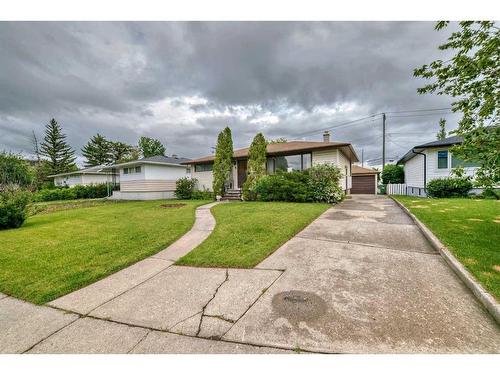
[(424, 163), (288, 156), (149, 178), (86, 176), (364, 180)]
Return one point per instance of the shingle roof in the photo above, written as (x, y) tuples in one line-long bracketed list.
[(90, 170), (283, 149), (450, 141), (164, 159), (356, 169)]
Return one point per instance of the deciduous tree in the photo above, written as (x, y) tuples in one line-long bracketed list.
[(151, 147)]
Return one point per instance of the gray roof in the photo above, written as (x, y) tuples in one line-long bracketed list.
[(90, 170), (450, 141), (164, 159)]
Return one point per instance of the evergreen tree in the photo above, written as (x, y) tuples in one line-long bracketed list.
[(97, 151), (121, 152), (256, 166), (61, 158), (223, 161), (151, 147), (442, 130)]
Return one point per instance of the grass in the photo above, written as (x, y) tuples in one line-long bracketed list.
[(470, 228), (247, 232), (57, 252)]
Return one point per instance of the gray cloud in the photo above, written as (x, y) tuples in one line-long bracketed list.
[(184, 81)]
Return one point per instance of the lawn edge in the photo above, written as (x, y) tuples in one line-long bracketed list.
[(487, 299)]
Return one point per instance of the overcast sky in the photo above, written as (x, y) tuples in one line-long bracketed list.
[(184, 82)]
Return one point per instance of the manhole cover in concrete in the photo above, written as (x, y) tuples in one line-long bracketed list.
[(298, 305)]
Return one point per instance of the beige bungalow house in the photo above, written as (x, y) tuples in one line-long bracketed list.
[(288, 156), (149, 178), (86, 176)]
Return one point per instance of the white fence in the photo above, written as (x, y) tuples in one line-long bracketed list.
[(396, 189), (403, 189)]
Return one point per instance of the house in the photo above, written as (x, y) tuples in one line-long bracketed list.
[(364, 180), (86, 176), (149, 178), (426, 162), (287, 156)]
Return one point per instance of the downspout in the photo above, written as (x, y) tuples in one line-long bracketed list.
[(425, 167)]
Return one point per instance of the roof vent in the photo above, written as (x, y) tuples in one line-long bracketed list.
[(326, 136), (174, 156)]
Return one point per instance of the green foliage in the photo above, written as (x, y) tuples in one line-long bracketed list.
[(61, 158), (317, 184), (122, 152), (13, 207), (256, 165), (471, 77), (97, 151), (284, 186), (151, 147), (325, 183), (76, 192), (393, 174), (442, 130), (223, 161), (14, 170), (184, 187), (277, 140), (449, 187), (202, 195)]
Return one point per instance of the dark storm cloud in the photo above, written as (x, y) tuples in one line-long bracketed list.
[(183, 82)]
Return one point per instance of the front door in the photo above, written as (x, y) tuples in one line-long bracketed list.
[(242, 172)]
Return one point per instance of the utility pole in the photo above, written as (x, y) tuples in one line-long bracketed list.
[(362, 157), (383, 141)]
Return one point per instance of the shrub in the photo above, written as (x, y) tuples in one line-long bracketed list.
[(284, 186), (14, 206), (393, 174), (202, 195), (449, 187), (184, 187), (324, 183), (14, 170), (76, 192)]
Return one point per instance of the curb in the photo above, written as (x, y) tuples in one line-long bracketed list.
[(481, 294)]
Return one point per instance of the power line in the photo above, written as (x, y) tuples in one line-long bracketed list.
[(425, 114), (337, 125), (421, 110)]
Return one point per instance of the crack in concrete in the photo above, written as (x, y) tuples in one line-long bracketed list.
[(138, 342), (183, 320), (52, 334), (221, 317), (210, 300)]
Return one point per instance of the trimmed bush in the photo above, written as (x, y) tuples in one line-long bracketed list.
[(449, 187), (184, 187), (324, 183), (202, 195), (76, 192), (13, 208), (284, 186)]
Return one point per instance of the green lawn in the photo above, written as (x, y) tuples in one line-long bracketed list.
[(470, 228), (247, 232), (54, 253)]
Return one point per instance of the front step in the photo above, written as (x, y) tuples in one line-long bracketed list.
[(232, 195)]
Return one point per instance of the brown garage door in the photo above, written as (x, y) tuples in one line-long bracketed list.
[(363, 184)]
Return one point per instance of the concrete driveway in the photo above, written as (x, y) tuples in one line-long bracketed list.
[(360, 279)]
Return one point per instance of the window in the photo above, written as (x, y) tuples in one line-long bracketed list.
[(203, 167), (137, 169), (442, 159), (288, 163), (456, 162), (125, 170)]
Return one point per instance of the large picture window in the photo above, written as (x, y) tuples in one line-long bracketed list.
[(288, 163), (442, 159), (203, 167)]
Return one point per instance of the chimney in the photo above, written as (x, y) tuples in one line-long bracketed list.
[(326, 136), (174, 156)]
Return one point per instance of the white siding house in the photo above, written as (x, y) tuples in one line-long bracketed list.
[(87, 176), (149, 178), (293, 155), (426, 162)]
